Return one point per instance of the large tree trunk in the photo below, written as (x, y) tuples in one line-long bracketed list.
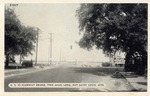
[(144, 62), (7, 61), (141, 65), (138, 66), (128, 62)]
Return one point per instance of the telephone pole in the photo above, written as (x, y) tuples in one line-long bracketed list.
[(37, 48), (60, 56), (50, 47)]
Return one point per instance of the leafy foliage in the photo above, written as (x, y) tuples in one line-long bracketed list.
[(114, 27), (19, 39)]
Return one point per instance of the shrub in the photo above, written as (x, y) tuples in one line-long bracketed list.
[(106, 64)]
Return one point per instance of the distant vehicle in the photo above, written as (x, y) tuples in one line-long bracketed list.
[(27, 63)]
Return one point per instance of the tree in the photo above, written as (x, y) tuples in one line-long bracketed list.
[(19, 39), (113, 27)]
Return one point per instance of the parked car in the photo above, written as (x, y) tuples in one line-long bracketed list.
[(27, 63)]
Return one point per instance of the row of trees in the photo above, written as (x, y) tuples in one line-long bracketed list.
[(116, 27), (19, 39)]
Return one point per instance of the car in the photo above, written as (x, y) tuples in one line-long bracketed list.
[(27, 63)]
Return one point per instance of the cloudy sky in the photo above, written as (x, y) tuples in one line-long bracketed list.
[(60, 20)]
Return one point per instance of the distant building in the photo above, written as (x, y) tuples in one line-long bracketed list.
[(117, 59)]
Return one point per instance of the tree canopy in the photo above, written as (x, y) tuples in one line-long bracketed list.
[(19, 39), (113, 27)]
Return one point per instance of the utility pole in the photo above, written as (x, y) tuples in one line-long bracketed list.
[(50, 47), (37, 46), (60, 55)]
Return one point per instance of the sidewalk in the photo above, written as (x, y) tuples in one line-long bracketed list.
[(138, 82), (14, 72)]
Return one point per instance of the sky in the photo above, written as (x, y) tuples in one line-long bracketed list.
[(60, 20)]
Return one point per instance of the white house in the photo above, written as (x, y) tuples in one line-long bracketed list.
[(118, 59)]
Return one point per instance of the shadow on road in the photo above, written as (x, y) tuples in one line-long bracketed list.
[(142, 83), (102, 71)]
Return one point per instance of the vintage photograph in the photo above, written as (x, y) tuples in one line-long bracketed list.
[(75, 47)]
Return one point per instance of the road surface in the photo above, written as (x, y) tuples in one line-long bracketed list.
[(65, 74)]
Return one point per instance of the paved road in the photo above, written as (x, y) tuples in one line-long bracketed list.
[(63, 74), (59, 74)]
